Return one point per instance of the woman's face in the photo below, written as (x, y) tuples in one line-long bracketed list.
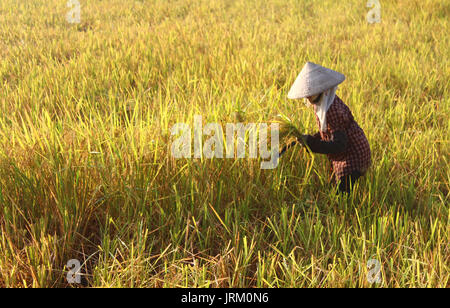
[(315, 99)]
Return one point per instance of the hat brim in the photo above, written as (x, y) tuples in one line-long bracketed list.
[(314, 79)]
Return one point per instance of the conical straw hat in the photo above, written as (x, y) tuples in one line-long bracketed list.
[(314, 79)]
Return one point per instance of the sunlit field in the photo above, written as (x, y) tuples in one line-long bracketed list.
[(86, 170)]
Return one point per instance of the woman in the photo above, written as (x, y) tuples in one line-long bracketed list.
[(339, 136)]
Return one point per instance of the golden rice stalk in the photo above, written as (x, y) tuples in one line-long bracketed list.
[(288, 131)]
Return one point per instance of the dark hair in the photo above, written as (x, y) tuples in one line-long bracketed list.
[(317, 99)]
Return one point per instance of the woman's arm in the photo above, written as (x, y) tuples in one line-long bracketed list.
[(337, 144)]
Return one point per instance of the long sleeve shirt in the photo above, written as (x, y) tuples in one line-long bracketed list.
[(344, 142)]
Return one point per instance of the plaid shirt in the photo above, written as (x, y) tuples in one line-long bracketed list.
[(356, 157)]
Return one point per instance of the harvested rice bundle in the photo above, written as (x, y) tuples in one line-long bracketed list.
[(289, 134)]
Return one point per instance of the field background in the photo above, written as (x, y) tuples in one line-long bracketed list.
[(86, 172)]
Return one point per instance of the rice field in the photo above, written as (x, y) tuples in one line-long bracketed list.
[(86, 172)]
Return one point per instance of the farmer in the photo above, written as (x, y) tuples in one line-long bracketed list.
[(339, 136)]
